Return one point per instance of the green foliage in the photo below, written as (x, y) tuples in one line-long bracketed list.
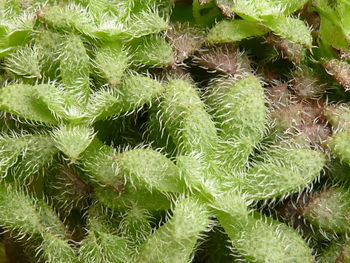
[(336, 251), (176, 239), (273, 15), (23, 157), (25, 62), (130, 128), (282, 172), (30, 108), (111, 61), (133, 92), (339, 117), (57, 250), (150, 169), (254, 238), (339, 145), (333, 19), (152, 50), (183, 115), (239, 111), (74, 68), (234, 30), (73, 140)]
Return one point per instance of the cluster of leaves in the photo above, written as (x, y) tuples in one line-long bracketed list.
[(174, 131)]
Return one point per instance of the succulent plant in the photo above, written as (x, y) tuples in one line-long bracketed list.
[(171, 131)]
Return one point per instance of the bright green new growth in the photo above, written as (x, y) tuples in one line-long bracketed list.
[(139, 175), (282, 172), (234, 30), (195, 174), (175, 240), (334, 19), (48, 43), (67, 17), (152, 51), (27, 216), (253, 235), (183, 115), (339, 145), (26, 62), (11, 149), (75, 68), (129, 196), (102, 247), (269, 14), (111, 61), (18, 212), (102, 243), (23, 157), (255, 238), (238, 108), (133, 92), (30, 108), (150, 169), (57, 250), (339, 117), (291, 29), (98, 162), (73, 140)]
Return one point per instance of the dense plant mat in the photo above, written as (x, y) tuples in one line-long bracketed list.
[(174, 131)]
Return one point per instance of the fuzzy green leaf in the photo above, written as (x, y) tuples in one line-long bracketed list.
[(272, 15), (28, 216), (199, 177), (145, 23), (176, 239), (152, 51), (38, 153), (30, 107), (238, 107), (133, 92), (283, 171), (334, 19), (67, 17), (234, 30), (100, 247), (126, 196), (150, 169), (339, 145), (48, 43), (72, 140), (74, 68), (57, 250), (290, 28), (26, 62), (135, 225), (98, 160), (338, 117), (255, 238), (255, 9), (62, 104), (183, 115), (111, 61), (10, 150), (18, 212)]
